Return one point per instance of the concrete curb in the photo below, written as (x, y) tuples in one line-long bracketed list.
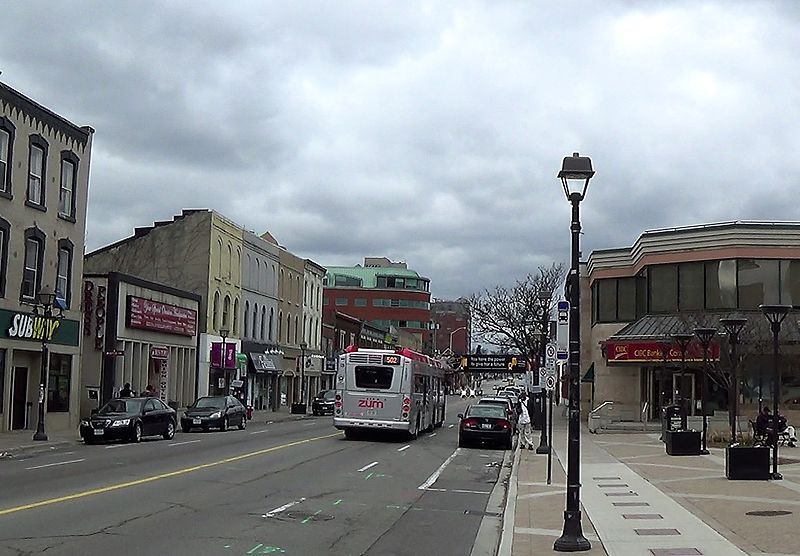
[(510, 514), (34, 448), (488, 538)]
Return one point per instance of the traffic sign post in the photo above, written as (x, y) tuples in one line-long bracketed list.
[(562, 331)]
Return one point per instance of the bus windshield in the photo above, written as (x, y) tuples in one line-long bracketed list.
[(378, 378)]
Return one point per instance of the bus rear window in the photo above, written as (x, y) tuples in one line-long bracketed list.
[(374, 377)]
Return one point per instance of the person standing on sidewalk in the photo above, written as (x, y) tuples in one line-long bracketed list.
[(525, 437)]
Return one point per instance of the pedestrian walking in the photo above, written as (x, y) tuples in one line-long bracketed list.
[(149, 391), (126, 391), (524, 424)]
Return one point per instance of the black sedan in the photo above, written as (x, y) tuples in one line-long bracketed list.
[(129, 419), (322, 403), (218, 412), (485, 423)]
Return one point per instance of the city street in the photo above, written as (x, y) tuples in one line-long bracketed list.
[(294, 487)]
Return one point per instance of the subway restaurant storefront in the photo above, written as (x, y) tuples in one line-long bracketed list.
[(21, 371)]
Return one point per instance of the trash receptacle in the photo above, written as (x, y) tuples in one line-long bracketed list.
[(672, 419), (536, 406)]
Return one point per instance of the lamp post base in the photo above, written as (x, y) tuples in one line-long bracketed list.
[(704, 452), (40, 436), (777, 476), (572, 539), (543, 450)]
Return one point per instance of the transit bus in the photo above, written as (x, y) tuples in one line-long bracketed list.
[(392, 390)]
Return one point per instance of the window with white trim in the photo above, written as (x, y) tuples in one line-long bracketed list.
[(66, 196), (36, 175), (31, 274), (5, 165), (63, 274)]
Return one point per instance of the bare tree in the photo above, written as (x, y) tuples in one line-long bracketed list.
[(510, 317)]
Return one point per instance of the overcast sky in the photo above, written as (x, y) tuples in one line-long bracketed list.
[(428, 132)]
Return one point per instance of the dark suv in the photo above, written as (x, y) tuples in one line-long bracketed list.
[(323, 403)]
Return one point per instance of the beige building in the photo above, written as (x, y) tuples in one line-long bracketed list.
[(290, 320), (44, 183), (198, 251), (313, 276)]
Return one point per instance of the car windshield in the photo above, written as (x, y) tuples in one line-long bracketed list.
[(486, 411), (121, 406), (328, 395), (209, 403)]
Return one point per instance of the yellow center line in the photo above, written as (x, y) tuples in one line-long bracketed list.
[(153, 478)]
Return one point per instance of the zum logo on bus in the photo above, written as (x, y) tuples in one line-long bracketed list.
[(371, 404)]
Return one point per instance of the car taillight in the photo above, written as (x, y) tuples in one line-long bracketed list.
[(469, 423), (504, 424)]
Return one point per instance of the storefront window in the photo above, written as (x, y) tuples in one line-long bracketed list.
[(721, 284), (2, 376), (663, 288), (690, 286), (58, 382), (790, 283), (758, 282)]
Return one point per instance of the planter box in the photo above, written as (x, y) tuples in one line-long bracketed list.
[(747, 463), (682, 443)]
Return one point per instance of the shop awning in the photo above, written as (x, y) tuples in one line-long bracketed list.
[(264, 363)]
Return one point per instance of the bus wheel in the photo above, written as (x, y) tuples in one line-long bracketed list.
[(349, 434)]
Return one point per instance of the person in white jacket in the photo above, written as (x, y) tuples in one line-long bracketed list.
[(524, 425)]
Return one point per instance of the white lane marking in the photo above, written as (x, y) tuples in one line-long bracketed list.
[(279, 509), (311, 424), (431, 435), (118, 446), (406, 447), (54, 464), (184, 442), (458, 490), (435, 475), (260, 432), (450, 426), (373, 464)]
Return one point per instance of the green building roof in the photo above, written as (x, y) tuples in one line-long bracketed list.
[(369, 275)]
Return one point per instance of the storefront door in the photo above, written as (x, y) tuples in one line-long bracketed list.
[(19, 397), (687, 393)]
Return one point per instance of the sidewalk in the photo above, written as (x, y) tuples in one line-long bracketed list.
[(14, 443), (638, 500)]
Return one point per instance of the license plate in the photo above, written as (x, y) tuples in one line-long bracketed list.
[(196, 421), (486, 426), (99, 432)]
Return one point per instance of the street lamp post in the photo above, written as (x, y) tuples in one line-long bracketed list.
[(775, 315), (544, 296), (733, 326), (705, 335), (576, 171), (44, 301), (683, 340), (450, 343), (664, 344)]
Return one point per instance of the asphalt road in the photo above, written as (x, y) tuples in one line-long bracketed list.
[(295, 487)]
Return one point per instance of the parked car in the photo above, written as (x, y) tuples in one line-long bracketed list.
[(503, 402), (485, 423), (129, 419), (218, 412), (323, 403), (511, 395)]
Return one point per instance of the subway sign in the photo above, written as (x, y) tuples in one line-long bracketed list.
[(26, 326)]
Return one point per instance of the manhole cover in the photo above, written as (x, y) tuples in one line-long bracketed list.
[(769, 513)]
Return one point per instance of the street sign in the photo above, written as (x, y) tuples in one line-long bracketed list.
[(550, 360), (550, 382), (562, 331), (481, 363)]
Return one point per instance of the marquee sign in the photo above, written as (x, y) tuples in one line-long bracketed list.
[(650, 352), (147, 314)]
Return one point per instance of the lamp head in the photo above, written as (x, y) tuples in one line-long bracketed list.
[(46, 297), (303, 345), (544, 295), (224, 332), (705, 335), (576, 171), (733, 326), (775, 313)]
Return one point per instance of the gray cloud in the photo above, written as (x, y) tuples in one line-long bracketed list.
[(428, 132)]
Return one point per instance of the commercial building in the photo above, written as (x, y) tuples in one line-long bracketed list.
[(198, 251), (44, 183), (452, 332), (148, 330), (386, 294), (673, 280)]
